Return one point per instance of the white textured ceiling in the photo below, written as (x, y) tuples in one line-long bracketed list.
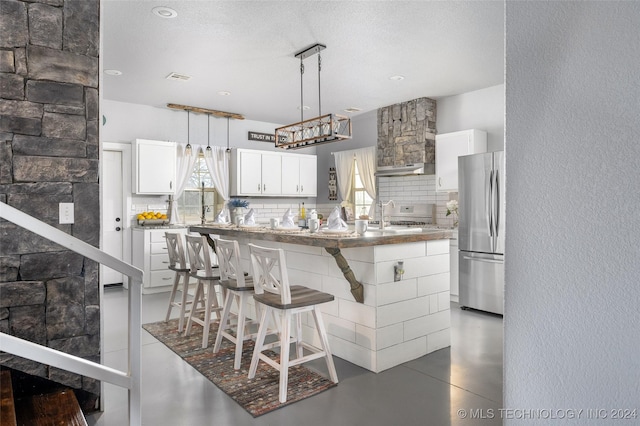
[(248, 48)]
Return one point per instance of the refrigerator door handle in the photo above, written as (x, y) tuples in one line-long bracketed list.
[(497, 202), (480, 259), (489, 195)]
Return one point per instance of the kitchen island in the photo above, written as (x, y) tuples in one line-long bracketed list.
[(395, 321)]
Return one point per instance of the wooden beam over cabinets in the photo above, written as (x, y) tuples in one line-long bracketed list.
[(207, 111)]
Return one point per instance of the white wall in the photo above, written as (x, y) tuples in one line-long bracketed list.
[(572, 320), (481, 109)]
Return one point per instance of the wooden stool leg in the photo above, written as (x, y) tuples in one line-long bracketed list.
[(239, 329), (299, 352), (224, 322), (284, 355), (262, 332), (176, 280), (183, 302), (317, 316), (196, 299)]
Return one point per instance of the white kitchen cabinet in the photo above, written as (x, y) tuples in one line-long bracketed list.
[(453, 253), (150, 253), (449, 146), (299, 175), (154, 167), (267, 173)]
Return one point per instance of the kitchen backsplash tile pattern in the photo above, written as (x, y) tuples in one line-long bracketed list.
[(416, 189)]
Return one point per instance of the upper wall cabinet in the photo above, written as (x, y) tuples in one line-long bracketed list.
[(154, 167), (449, 146), (268, 173), (299, 175)]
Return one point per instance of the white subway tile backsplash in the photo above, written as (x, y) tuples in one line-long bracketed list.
[(438, 340), (358, 313), (348, 350), (397, 291), (366, 337), (339, 327), (433, 284), (402, 311), (399, 251), (437, 247), (444, 301), (397, 354), (389, 336)]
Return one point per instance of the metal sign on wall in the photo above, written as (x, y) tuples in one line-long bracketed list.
[(262, 137)]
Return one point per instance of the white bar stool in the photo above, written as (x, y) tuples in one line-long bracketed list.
[(203, 271), (239, 288), (178, 263), (275, 294)]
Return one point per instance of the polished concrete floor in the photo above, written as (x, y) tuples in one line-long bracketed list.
[(460, 385)]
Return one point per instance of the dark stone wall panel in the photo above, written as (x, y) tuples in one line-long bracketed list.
[(86, 197), (43, 207), (91, 282), (45, 25), (24, 109), (11, 86), (64, 126), (66, 378), (28, 322), (26, 126), (6, 163), (24, 365), (20, 59), (83, 346), (81, 27), (92, 315), (42, 188), (22, 293), (65, 109), (66, 67), (9, 266), (14, 26), (43, 266), (50, 92), (48, 147), (51, 169), (6, 61), (92, 103), (17, 240)]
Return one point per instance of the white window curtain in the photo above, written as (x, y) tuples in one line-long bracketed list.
[(344, 172), (366, 159), (184, 169), (218, 164)]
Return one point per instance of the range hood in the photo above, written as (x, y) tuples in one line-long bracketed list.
[(407, 169)]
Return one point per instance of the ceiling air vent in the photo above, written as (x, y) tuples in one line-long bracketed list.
[(178, 77)]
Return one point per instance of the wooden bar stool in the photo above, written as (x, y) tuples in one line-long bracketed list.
[(203, 271), (239, 288), (178, 264), (273, 291)]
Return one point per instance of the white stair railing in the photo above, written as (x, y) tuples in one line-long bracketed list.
[(74, 364)]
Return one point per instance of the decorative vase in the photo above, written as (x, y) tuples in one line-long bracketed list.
[(235, 212)]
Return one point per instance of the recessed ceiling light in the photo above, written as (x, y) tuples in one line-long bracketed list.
[(305, 107), (353, 109), (396, 77), (224, 93), (113, 72), (164, 12)]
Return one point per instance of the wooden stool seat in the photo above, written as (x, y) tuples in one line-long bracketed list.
[(300, 296)]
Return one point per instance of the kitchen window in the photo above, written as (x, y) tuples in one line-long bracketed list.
[(199, 188), (359, 197)]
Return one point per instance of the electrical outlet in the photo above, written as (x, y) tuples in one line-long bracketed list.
[(66, 213)]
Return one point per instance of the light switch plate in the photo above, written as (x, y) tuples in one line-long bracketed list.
[(66, 213)]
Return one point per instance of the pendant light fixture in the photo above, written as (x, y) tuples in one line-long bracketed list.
[(208, 132), (187, 149), (322, 129)]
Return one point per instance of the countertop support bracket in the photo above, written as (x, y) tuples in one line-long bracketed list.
[(357, 290)]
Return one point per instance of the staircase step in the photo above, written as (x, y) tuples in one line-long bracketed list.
[(7, 408), (57, 408)]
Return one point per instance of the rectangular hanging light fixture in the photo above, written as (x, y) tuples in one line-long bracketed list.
[(322, 129)]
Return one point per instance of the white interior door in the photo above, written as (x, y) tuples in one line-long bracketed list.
[(112, 213)]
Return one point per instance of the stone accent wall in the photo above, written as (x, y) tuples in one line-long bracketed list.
[(407, 134), (49, 122)]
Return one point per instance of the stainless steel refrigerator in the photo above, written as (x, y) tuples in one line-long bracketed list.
[(481, 231)]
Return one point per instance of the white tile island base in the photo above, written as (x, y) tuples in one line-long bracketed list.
[(399, 320)]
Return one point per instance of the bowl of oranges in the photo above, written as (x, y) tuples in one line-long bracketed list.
[(152, 218)]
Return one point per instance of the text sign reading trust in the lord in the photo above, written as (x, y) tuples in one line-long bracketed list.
[(262, 137)]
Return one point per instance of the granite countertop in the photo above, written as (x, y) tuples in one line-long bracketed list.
[(321, 239)]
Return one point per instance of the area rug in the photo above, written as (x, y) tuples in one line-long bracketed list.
[(259, 395)]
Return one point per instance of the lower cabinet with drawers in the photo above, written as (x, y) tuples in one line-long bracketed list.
[(150, 253)]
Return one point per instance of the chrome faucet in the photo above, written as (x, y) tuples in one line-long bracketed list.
[(382, 206)]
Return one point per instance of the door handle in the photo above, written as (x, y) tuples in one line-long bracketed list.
[(117, 228), (439, 181), (258, 187), (489, 201), (301, 188), (264, 187), (170, 184), (497, 202), (297, 188), (479, 259), (117, 219)]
